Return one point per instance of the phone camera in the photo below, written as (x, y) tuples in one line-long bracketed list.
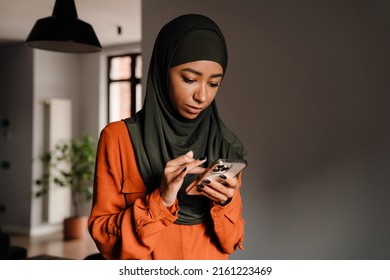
[(221, 168)]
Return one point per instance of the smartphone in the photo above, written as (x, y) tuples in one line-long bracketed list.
[(227, 167)]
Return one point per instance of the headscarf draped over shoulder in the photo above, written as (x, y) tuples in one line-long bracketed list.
[(158, 133)]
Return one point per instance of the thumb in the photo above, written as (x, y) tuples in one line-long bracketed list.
[(190, 154)]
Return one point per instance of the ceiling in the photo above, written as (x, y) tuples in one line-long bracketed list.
[(17, 18)]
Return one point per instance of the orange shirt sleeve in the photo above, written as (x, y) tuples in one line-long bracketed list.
[(228, 222), (124, 222)]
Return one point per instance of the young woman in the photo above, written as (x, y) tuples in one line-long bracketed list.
[(144, 164)]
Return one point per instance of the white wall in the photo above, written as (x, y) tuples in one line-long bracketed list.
[(307, 91), (91, 93), (55, 75)]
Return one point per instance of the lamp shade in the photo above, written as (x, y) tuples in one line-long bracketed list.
[(63, 31)]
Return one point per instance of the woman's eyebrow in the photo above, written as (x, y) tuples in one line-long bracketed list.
[(193, 71)]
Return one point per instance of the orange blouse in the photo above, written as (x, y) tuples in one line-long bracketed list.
[(127, 223)]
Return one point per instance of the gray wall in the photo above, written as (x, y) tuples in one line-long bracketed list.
[(307, 91), (16, 87)]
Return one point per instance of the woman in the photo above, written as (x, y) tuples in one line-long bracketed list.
[(144, 164)]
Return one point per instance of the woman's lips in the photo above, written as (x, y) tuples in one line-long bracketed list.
[(194, 109)]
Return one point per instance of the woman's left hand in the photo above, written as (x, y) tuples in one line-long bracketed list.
[(220, 192)]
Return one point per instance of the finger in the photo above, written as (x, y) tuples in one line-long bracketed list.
[(181, 160), (192, 167), (230, 182), (190, 153), (171, 185), (197, 170), (195, 166), (211, 193), (214, 187), (179, 178)]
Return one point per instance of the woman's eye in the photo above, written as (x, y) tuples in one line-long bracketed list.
[(212, 84), (188, 81)]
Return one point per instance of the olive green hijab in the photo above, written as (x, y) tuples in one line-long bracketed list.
[(159, 134)]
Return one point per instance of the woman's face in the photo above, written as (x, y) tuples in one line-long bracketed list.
[(193, 86)]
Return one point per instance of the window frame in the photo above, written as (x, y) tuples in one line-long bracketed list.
[(133, 80)]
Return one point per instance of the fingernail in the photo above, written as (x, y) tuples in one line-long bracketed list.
[(207, 181), (200, 186), (203, 158), (198, 189), (223, 176)]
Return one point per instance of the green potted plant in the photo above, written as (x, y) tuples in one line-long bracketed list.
[(71, 164)]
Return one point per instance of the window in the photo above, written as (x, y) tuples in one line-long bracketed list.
[(124, 85)]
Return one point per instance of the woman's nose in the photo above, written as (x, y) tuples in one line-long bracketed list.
[(200, 94)]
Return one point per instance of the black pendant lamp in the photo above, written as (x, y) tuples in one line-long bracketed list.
[(63, 31)]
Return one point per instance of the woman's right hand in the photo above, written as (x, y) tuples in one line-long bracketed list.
[(174, 172)]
